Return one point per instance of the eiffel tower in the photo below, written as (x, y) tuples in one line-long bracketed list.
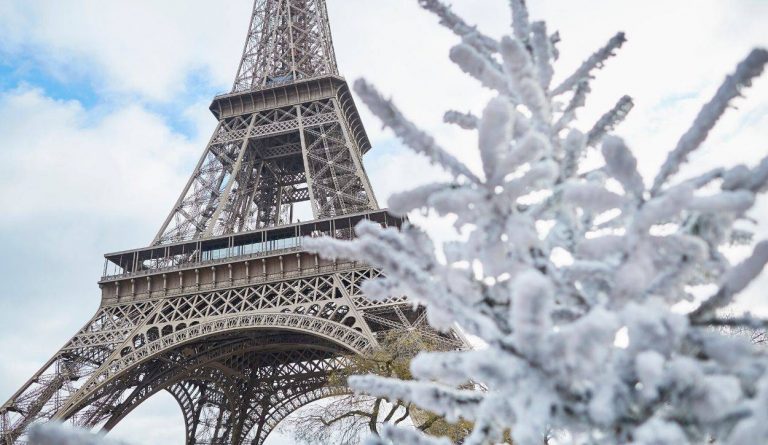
[(225, 310)]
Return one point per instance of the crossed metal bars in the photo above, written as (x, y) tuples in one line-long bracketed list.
[(254, 167), (239, 353)]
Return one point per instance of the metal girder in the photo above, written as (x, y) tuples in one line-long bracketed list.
[(240, 353), (130, 350), (239, 183), (288, 40)]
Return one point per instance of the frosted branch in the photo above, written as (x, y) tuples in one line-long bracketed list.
[(736, 202), (528, 149), (411, 136), (622, 165), (523, 82), (609, 120), (759, 177), (662, 208), (467, 121), (596, 61), (542, 53), (495, 134), (734, 281), (403, 257), (449, 402), (393, 435), (520, 20), (403, 202), (554, 39), (747, 70), (56, 434), (742, 177), (459, 27), (578, 100), (573, 146), (476, 65), (592, 197)]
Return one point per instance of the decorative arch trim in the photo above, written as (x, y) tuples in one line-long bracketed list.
[(337, 333)]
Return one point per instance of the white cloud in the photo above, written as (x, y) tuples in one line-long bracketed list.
[(61, 159), (140, 47)]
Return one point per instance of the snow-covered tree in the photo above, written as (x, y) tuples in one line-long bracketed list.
[(560, 258), (53, 433)]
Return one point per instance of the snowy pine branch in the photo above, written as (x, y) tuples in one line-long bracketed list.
[(609, 120), (520, 19), (474, 63), (621, 164), (577, 101), (407, 131), (543, 53), (731, 88), (735, 281), (392, 435), (469, 34), (595, 61), (467, 121), (57, 434)]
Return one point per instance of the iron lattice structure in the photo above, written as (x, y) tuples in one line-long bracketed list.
[(224, 309)]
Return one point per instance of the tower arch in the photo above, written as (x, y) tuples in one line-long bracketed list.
[(227, 273)]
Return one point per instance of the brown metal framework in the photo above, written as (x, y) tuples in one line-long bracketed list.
[(224, 309)]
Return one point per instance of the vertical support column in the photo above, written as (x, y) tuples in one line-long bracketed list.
[(307, 171), (177, 207), (354, 153), (224, 199), (255, 184)]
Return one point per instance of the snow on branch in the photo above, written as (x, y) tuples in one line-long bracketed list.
[(522, 79), (520, 25), (542, 52), (609, 120), (478, 66), (595, 61), (469, 34), (622, 165), (393, 435), (746, 71), (495, 132), (403, 202), (592, 197), (449, 402), (413, 269), (467, 121), (577, 101), (742, 177), (57, 434), (735, 281), (414, 138)]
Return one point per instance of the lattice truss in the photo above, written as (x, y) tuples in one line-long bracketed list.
[(239, 359), (202, 346), (257, 166), (288, 40)]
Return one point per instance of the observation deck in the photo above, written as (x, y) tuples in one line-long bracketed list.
[(288, 94), (269, 254)]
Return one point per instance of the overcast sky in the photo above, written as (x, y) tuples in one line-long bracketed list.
[(103, 113)]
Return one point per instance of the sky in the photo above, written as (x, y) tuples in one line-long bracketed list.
[(104, 111)]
